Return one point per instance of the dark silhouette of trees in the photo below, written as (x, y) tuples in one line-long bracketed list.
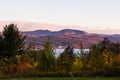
[(12, 41), (110, 46)]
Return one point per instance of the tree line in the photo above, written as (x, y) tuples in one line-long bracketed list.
[(16, 60)]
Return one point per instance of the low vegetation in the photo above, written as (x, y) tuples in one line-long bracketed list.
[(18, 61), (66, 78)]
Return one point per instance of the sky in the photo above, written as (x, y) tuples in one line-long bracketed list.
[(99, 15)]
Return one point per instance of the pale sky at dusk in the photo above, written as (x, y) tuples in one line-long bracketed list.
[(95, 14)]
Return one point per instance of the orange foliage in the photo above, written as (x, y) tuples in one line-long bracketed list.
[(23, 66), (20, 67), (118, 57)]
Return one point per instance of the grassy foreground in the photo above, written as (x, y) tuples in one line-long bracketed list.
[(75, 78)]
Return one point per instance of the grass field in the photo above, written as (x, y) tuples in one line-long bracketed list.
[(76, 78)]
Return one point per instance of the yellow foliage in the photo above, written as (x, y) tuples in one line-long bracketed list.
[(18, 57), (77, 64), (108, 58), (36, 64)]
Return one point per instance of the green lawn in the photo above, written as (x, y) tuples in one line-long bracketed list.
[(78, 78)]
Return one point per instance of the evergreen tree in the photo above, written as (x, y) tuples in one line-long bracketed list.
[(65, 60), (81, 49), (12, 40), (105, 44), (47, 57)]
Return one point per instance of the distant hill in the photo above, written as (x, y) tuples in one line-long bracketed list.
[(68, 32), (68, 37), (114, 36), (39, 32)]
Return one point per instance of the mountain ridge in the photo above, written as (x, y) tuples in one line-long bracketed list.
[(69, 37), (56, 33)]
